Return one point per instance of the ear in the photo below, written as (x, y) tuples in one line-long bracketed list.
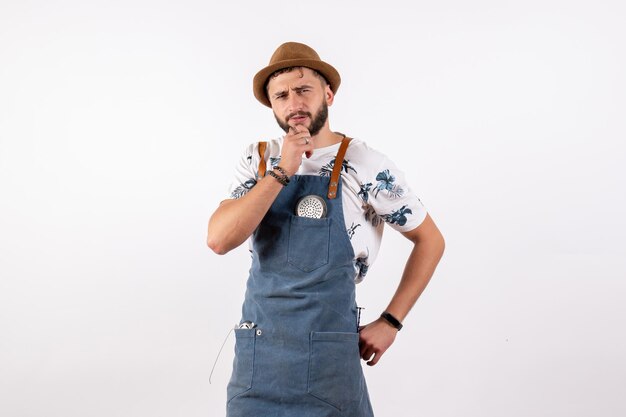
[(330, 96)]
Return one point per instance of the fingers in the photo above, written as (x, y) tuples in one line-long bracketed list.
[(370, 354), (297, 142), (299, 129), (300, 137), (367, 353), (300, 133), (373, 361), (374, 340)]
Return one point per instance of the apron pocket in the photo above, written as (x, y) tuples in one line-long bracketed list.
[(308, 243), (335, 373), (243, 364)]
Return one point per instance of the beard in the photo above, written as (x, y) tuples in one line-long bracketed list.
[(317, 122)]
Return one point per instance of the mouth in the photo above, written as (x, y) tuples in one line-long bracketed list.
[(297, 118)]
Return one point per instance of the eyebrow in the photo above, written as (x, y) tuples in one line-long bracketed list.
[(278, 93), (302, 87), (296, 89)]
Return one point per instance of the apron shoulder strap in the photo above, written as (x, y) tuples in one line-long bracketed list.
[(262, 163), (334, 177)]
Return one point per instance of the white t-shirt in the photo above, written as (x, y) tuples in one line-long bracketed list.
[(375, 192)]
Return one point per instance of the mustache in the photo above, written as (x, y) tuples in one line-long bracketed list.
[(299, 113)]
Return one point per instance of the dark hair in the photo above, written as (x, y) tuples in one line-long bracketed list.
[(289, 69)]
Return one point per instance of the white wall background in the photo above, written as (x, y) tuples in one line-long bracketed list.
[(120, 124)]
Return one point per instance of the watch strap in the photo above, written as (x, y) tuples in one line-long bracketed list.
[(391, 320)]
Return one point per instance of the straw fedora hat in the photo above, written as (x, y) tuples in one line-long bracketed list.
[(293, 54)]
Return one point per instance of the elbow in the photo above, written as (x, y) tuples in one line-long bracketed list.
[(216, 238), (217, 246), (435, 244), (441, 241), (440, 244)]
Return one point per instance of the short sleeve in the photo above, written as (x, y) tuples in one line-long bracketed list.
[(246, 172), (392, 198)]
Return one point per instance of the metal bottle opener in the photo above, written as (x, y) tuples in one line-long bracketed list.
[(312, 206)]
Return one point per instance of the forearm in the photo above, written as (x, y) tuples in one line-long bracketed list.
[(417, 273), (235, 220)]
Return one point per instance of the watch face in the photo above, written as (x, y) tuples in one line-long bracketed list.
[(312, 206)]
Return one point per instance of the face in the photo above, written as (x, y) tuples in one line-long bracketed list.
[(299, 97)]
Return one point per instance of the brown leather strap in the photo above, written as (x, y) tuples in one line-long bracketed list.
[(334, 177), (262, 167)]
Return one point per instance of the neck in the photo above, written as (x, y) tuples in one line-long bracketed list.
[(326, 137)]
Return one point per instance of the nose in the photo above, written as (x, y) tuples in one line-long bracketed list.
[(295, 103)]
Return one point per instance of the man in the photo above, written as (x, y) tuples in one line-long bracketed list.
[(314, 204)]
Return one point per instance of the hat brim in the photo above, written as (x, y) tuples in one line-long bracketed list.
[(260, 79)]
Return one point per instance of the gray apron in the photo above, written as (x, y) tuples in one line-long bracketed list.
[(302, 358)]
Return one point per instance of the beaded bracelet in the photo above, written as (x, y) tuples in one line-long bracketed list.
[(281, 179), (284, 175), (281, 170)]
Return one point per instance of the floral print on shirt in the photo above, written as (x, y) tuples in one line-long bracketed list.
[(327, 169), (375, 193), (386, 182)]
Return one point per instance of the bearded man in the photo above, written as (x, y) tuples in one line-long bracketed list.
[(313, 205)]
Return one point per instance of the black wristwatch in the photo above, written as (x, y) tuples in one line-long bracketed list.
[(392, 320)]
